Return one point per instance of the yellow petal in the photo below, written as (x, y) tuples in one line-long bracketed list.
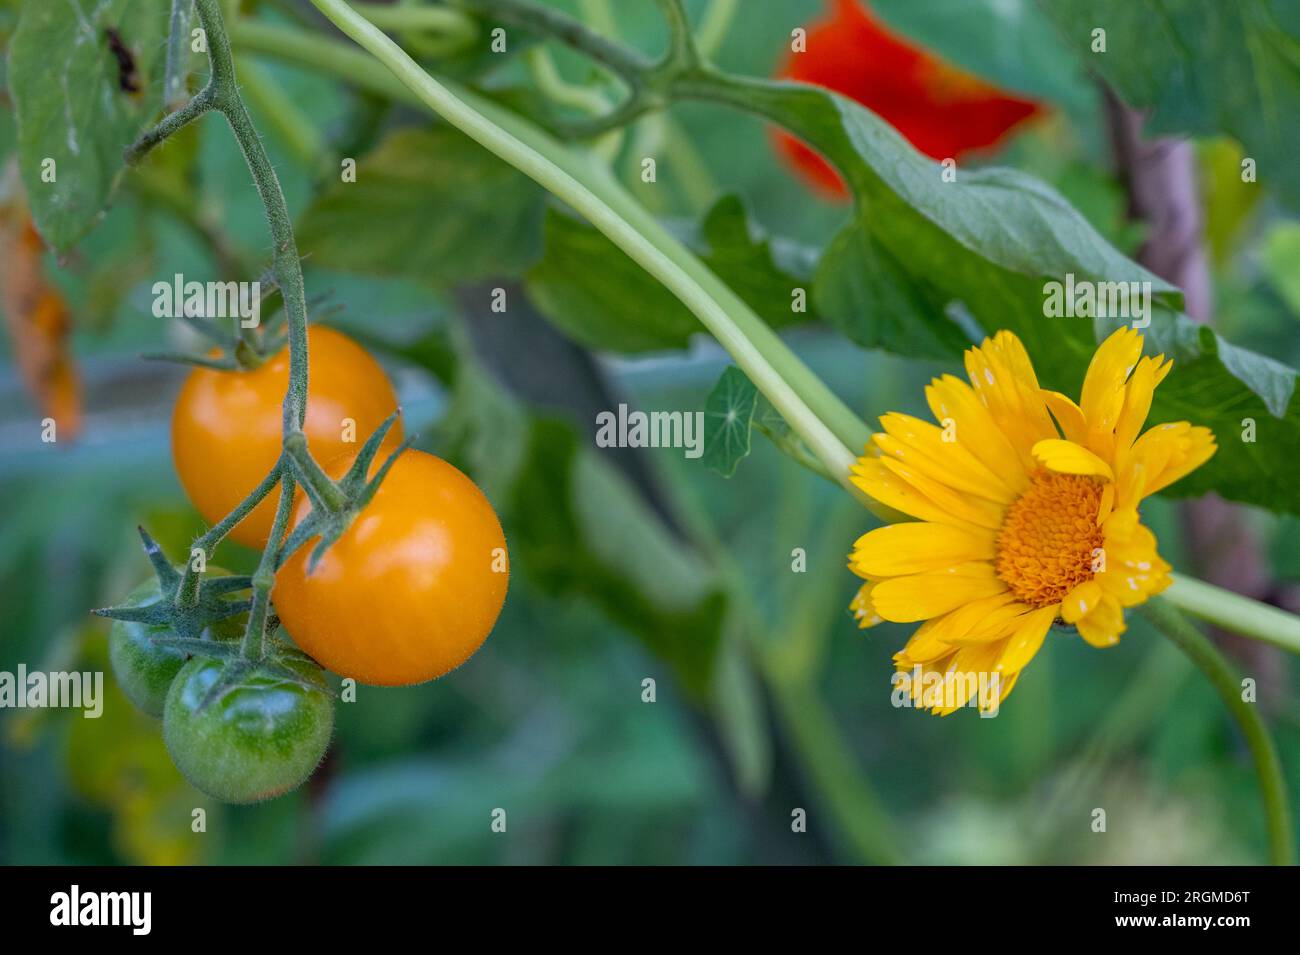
[(1066, 457), (1195, 447), (917, 548), (1103, 624), (965, 624), (923, 647), (1031, 629), (878, 482), (1137, 402), (1002, 375), (939, 455), (965, 507), (1103, 386), (1067, 414), (1080, 600), (950, 398), (863, 610), (922, 596)]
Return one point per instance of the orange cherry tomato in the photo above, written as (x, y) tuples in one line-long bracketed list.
[(226, 424), (411, 589)]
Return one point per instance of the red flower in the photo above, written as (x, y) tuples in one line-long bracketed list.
[(942, 110)]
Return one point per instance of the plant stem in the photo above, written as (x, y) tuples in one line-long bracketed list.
[(1233, 612), (714, 25), (221, 93), (1272, 784), (441, 20), (285, 261), (323, 491), (254, 643), (628, 64), (811, 409)]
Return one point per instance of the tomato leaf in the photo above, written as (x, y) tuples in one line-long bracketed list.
[(992, 238), (79, 103), (431, 205), (1201, 66)]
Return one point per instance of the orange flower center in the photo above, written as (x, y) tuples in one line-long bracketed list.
[(1050, 541)]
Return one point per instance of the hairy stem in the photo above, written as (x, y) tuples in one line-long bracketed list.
[(1272, 784)]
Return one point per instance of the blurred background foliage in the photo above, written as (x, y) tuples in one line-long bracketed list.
[(627, 565)]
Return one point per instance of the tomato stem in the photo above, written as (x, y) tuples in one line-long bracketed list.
[(221, 93), (324, 493)]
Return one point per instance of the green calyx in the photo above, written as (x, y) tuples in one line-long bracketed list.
[(334, 504), (185, 614)]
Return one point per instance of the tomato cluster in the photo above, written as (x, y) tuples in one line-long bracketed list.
[(408, 590), (942, 110)]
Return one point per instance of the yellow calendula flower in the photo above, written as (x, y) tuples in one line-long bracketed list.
[(1027, 515)]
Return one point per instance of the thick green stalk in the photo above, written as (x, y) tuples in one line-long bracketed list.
[(1272, 784), (818, 416), (1230, 611)]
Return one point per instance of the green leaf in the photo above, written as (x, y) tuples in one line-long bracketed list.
[(71, 108), (590, 290), (768, 273), (428, 204), (992, 238), (1202, 66), (868, 296), (728, 416), (599, 297), (733, 410)]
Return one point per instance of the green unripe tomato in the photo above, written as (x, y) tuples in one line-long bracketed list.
[(261, 739), (143, 669)]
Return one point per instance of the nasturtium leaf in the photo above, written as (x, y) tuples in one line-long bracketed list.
[(992, 238), (79, 104), (596, 295), (728, 416), (732, 412), (1201, 66), (427, 204)]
